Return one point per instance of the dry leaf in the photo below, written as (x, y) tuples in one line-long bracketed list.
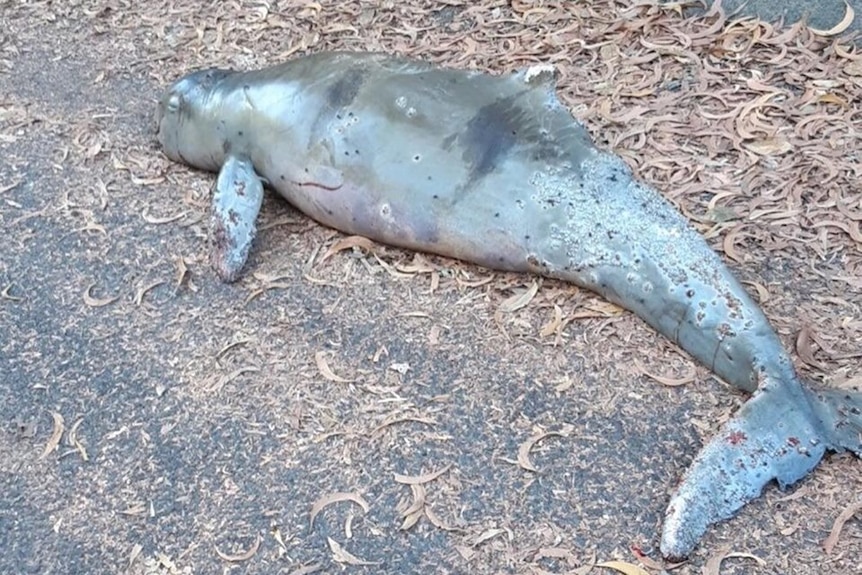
[(341, 555), (835, 532), (242, 556), (142, 291), (346, 244), (412, 519), (136, 552), (8, 296), (524, 449), (217, 383), (402, 419), (434, 335), (96, 302), (654, 564), (552, 326), (436, 521), (623, 567), (182, 271), (56, 435), (335, 498), (833, 99), (326, 371), (420, 479), (668, 381), (519, 300), (804, 348), (72, 438), (416, 510), (841, 26), (768, 147), (729, 244), (487, 535), (307, 569), (713, 564), (165, 220), (762, 292), (9, 187)]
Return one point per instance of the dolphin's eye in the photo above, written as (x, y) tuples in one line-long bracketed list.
[(174, 102)]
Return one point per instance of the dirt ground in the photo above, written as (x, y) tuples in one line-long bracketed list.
[(378, 411)]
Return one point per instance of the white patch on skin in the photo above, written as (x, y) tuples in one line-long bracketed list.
[(247, 96), (539, 70), (386, 212)]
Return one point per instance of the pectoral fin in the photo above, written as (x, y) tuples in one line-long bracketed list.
[(237, 197), (774, 435)]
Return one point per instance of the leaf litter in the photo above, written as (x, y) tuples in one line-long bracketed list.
[(56, 435), (417, 508), (843, 517), (713, 564), (681, 100), (341, 555), (332, 498), (242, 555), (623, 567), (527, 446), (326, 371)]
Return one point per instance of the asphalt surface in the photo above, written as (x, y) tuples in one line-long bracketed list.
[(156, 421), (818, 14)]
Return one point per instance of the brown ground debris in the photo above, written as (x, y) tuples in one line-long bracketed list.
[(206, 423)]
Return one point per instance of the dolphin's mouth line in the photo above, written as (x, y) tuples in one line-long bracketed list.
[(318, 186)]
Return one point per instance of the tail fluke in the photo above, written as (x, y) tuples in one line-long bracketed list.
[(776, 434), (840, 412)]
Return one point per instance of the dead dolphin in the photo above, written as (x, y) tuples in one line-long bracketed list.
[(494, 170)]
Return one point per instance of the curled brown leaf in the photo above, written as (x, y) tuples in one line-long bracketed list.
[(331, 498)]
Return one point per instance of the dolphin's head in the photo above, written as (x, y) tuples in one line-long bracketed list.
[(186, 119)]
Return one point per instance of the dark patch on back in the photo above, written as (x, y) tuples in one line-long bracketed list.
[(500, 126), (337, 97), (490, 134), (344, 91)]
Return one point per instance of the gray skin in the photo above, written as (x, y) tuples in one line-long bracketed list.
[(494, 170)]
